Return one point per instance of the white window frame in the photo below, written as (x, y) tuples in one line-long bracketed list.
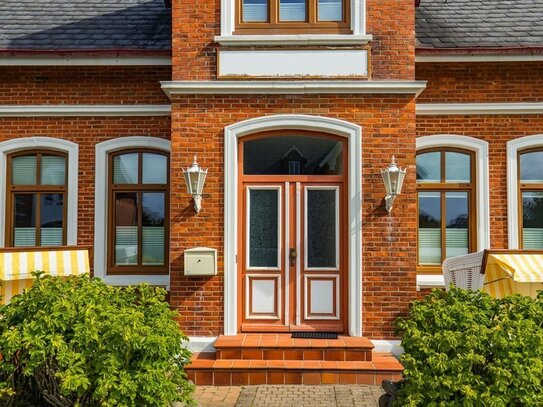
[(100, 208), (480, 148), (513, 147), (50, 143)]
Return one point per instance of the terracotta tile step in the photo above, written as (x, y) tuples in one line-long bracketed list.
[(239, 377), (330, 354), (284, 341)]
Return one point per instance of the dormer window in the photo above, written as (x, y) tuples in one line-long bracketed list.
[(293, 17)]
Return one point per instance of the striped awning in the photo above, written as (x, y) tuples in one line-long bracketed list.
[(507, 274), (16, 267)]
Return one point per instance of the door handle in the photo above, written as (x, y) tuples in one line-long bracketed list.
[(292, 256)]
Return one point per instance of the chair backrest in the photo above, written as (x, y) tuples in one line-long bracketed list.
[(464, 271)]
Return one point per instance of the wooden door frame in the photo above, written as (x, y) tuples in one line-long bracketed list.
[(319, 124)]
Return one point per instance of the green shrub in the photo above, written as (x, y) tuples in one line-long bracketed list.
[(79, 342), (464, 348)]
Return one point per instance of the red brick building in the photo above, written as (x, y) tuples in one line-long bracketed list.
[(294, 108)]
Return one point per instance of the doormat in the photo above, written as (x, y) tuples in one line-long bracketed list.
[(314, 335)]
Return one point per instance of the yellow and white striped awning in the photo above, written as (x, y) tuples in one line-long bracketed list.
[(16, 267), (510, 273)]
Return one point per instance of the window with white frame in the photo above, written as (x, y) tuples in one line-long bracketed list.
[(530, 191)]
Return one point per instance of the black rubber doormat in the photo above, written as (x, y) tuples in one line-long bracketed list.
[(314, 335)]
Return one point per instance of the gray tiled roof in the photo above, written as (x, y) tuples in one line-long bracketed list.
[(84, 24), (479, 23)]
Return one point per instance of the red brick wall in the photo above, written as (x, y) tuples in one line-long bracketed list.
[(83, 85), (388, 241), (481, 82), (195, 23), (86, 132)]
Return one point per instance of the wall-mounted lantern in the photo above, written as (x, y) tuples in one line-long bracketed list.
[(195, 177), (393, 179)]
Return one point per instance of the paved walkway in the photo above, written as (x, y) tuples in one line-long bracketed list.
[(288, 396)]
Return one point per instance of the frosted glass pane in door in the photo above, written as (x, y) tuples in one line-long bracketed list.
[(292, 10), (263, 227), (321, 228), (330, 10)]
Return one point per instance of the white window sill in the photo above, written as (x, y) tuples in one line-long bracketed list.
[(430, 281), (285, 40), (126, 280)]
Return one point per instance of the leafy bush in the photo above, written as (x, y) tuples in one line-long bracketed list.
[(79, 342), (466, 348)]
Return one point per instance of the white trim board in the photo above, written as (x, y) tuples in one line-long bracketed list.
[(54, 60), (436, 109), (260, 87), (480, 147), (353, 133), (294, 39), (479, 58), (100, 208), (84, 110), (513, 147), (72, 149), (388, 345), (430, 281)]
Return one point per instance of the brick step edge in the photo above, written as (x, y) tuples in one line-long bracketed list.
[(326, 354), (227, 377)]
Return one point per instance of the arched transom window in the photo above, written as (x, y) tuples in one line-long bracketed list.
[(446, 186)]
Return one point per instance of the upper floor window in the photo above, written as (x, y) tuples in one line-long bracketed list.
[(293, 16), (446, 188), (530, 185), (36, 205), (138, 201)]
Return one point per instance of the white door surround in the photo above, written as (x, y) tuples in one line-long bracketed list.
[(353, 133)]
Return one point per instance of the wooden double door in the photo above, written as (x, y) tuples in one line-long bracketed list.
[(293, 257)]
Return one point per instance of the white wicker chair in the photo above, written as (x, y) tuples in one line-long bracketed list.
[(464, 271)]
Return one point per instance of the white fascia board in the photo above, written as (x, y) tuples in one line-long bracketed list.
[(84, 110), (430, 281), (432, 109), (258, 87), (285, 40), (479, 58), (54, 60)]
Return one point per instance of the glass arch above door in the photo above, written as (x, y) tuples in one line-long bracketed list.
[(293, 154)]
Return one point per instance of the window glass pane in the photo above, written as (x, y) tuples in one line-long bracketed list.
[(457, 167), (25, 220), (263, 227), (126, 228), (321, 228), (52, 213), (429, 228), (125, 169), (531, 167), (330, 10), (457, 231), (292, 10), (293, 155), (23, 170), (429, 167), (255, 10), (153, 211), (53, 170), (154, 168), (532, 220)]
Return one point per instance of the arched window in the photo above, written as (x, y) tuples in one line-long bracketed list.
[(36, 204), (530, 192), (138, 211), (446, 188)]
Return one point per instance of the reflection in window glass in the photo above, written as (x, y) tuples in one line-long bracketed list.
[(456, 233), (429, 167), (292, 10), (152, 245), (277, 155), (126, 228), (125, 169), (457, 167), (532, 220), (330, 10), (429, 235), (263, 227), (25, 220), (155, 168), (255, 10), (531, 167), (52, 215), (321, 228), (53, 170)]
